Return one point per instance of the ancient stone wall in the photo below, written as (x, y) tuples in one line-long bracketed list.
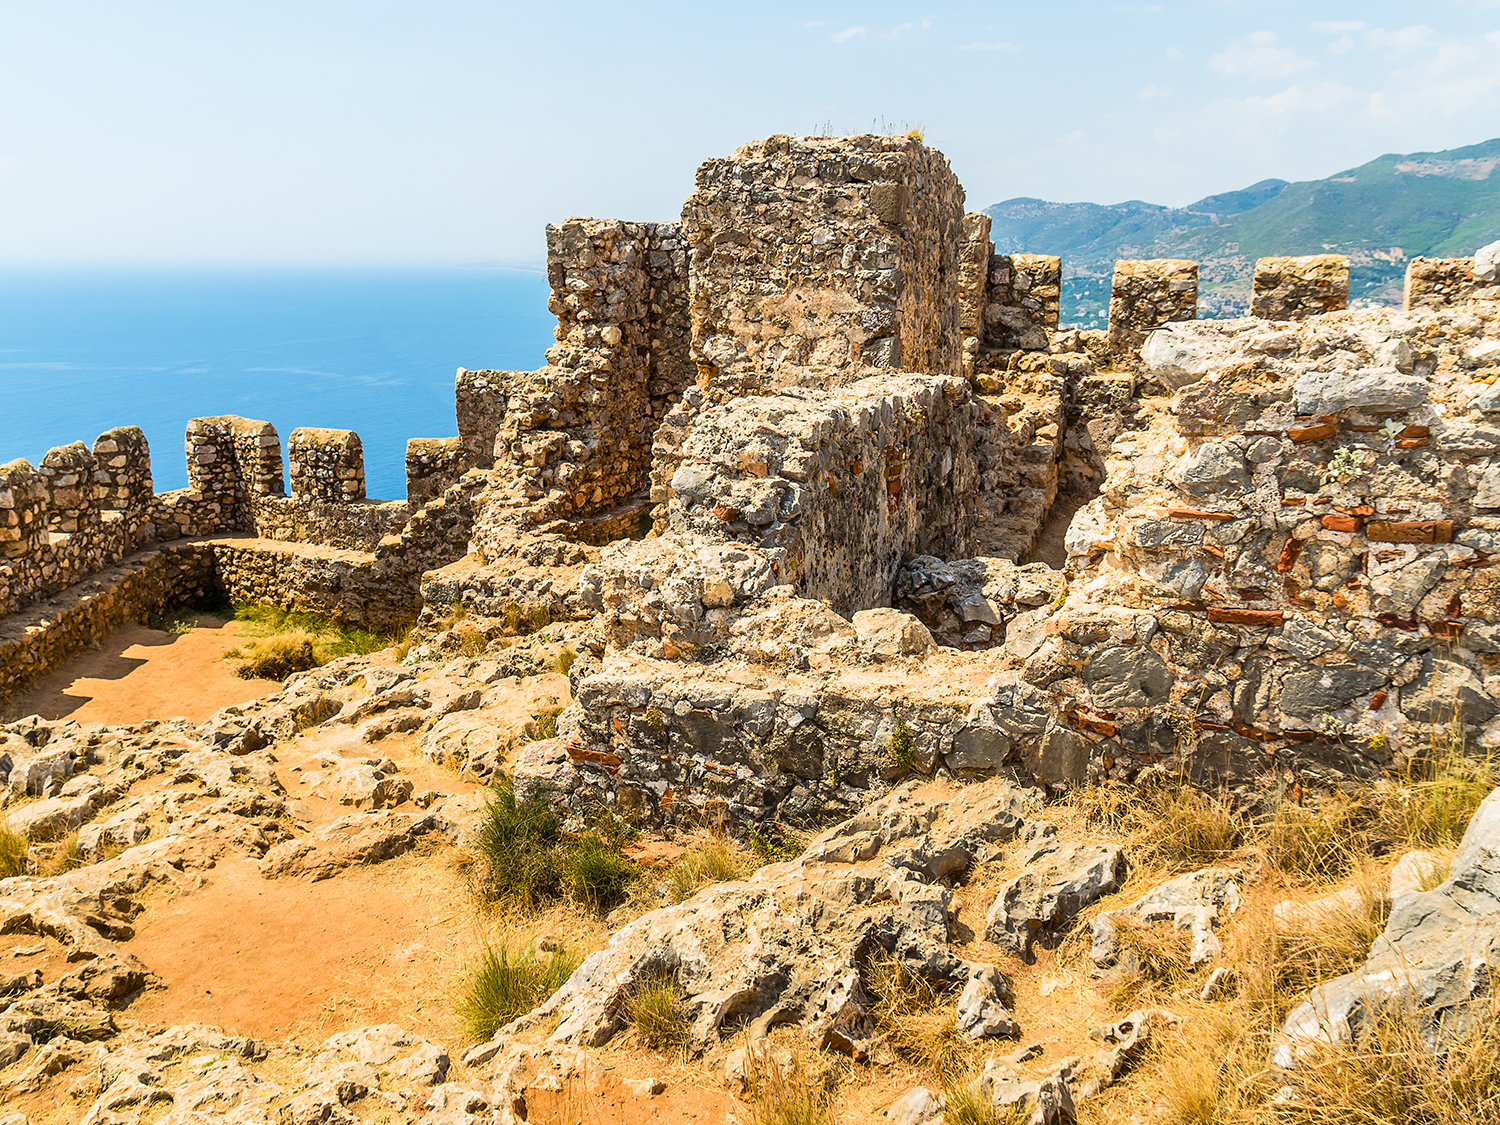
[(824, 253), (1315, 532), (41, 638), (122, 471), (974, 252), (1295, 288), (432, 464), (1148, 293), (481, 399), (1435, 282), (1024, 301), (327, 465), (670, 327)]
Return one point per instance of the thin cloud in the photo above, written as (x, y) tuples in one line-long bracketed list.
[(1010, 47), (1258, 57), (857, 32), (906, 28), (1337, 27)]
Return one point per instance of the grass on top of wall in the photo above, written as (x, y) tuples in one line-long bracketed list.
[(282, 642)]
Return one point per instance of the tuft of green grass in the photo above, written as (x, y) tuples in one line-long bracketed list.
[(284, 642), (597, 874), (12, 852), (655, 1008), (902, 748), (502, 986), (519, 844), (566, 658)]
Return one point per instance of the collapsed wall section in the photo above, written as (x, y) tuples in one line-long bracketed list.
[(826, 253)]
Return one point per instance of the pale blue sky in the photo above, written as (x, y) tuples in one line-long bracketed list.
[(326, 131)]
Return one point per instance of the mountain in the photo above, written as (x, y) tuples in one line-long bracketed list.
[(1436, 204)]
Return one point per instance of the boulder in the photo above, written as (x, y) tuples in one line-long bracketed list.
[(1194, 902), (1487, 263), (1180, 354)]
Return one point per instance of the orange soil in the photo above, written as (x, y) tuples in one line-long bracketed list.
[(140, 673)]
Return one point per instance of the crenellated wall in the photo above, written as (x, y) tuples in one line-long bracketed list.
[(1296, 288)]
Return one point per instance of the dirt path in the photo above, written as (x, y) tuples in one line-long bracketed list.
[(141, 673)]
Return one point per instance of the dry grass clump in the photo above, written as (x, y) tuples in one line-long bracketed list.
[(915, 1016), (1388, 1077), (712, 860), (656, 1011), (12, 852), (1174, 826), (502, 985), (791, 1095)]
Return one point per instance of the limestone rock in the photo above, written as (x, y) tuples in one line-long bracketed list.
[(1375, 388), (1194, 902), (915, 1107), (981, 1011), (780, 946), (1178, 355), (1059, 879), (1434, 957), (889, 633), (1487, 263)]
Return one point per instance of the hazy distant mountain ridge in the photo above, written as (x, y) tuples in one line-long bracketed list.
[(1435, 204)]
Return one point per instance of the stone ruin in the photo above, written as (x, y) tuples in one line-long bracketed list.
[(797, 460)]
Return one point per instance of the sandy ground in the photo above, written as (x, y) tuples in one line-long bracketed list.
[(140, 673)]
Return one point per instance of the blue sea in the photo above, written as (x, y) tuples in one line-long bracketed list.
[(375, 351)]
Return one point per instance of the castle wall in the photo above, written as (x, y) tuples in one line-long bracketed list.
[(327, 465), (831, 491), (1296, 288), (1438, 282), (824, 253), (1149, 293), (1024, 300)]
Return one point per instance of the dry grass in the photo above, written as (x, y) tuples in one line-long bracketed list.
[(915, 1016), (794, 1095), (656, 1011), (12, 852), (1388, 1077), (711, 859)]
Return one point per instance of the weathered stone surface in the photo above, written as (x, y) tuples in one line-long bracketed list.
[(1487, 262), (779, 946), (1434, 958), (1329, 392), (1194, 902), (1446, 689), (890, 633), (1057, 882)]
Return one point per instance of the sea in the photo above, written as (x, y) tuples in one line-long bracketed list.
[(375, 351)]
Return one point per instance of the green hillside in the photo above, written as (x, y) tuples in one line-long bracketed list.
[(1435, 204)]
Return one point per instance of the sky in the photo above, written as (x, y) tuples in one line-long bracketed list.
[(378, 132)]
